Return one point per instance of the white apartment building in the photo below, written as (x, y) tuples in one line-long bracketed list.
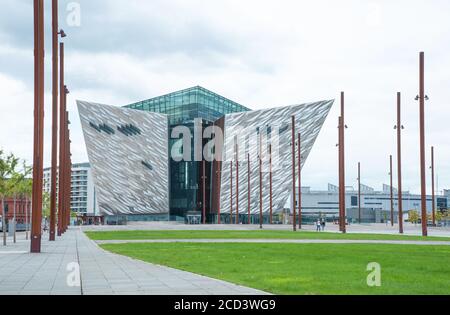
[(83, 199)]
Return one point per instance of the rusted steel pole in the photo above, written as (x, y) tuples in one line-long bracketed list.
[(62, 136), (399, 164), (231, 192), (38, 149), (294, 204), (237, 183), (65, 167), (69, 168), (299, 158), (359, 192), (392, 191), (342, 165), (270, 185), (422, 146), (218, 190), (248, 188), (54, 167), (204, 190), (66, 173), (340, 170), (260, 183), (64, 170), (69, 172), (433, 197)]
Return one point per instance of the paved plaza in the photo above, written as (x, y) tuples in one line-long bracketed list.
[(101, 272)]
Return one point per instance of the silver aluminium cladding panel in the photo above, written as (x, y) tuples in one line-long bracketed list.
[(128, 152), (241, 133)]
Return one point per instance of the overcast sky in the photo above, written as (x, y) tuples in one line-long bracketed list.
[(258, 53)]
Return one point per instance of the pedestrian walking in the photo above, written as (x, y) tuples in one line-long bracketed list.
[(323, 224), (318, 225)]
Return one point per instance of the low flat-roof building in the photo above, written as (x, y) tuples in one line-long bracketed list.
[(375, 205)]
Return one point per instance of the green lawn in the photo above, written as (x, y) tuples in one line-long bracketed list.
[(305, 268), (256, 234)]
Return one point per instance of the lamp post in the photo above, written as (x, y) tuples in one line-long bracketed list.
[(270, 184), (433, 201), (218, 175), (299, 162), (391, 190), (248, 188), (62, 136), (204, 190), (237, 181), (294, 219), (38, 148), (68, 176), (421, 98), (54, 167), (399, 127), (359, 192), (231, 192), (260, 182), (341, 145)]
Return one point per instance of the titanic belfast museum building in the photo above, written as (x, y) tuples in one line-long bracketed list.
[(194, 153)]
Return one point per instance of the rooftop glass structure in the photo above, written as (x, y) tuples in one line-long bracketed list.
[(182, 107)]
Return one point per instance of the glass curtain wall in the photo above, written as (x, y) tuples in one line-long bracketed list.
[(183, 107)]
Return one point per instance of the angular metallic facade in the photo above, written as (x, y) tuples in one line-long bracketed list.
[(128, 151), (242, 133), (134, 175)]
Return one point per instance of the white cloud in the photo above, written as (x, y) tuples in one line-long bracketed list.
[(261, 54)]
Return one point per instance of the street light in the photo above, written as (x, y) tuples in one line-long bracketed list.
[(38, 142), (62, 33), (359, 192), (54, 159), (422, 98), (62, 135), (294, 219), (341, 145), (399, 127), (299, 157)]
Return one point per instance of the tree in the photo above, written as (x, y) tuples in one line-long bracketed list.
[(413, 216), (17, 189), (7, 168), (45, 205), (27, 190), (439, 216)]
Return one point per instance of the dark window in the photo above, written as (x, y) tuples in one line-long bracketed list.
[(147, 165), (129, 130)]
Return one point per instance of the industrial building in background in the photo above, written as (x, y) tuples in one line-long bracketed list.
[(375, 205)]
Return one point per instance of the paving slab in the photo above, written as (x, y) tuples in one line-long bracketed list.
[(100, 272)]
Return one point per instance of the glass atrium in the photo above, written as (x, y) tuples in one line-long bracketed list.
[(182, 108)]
